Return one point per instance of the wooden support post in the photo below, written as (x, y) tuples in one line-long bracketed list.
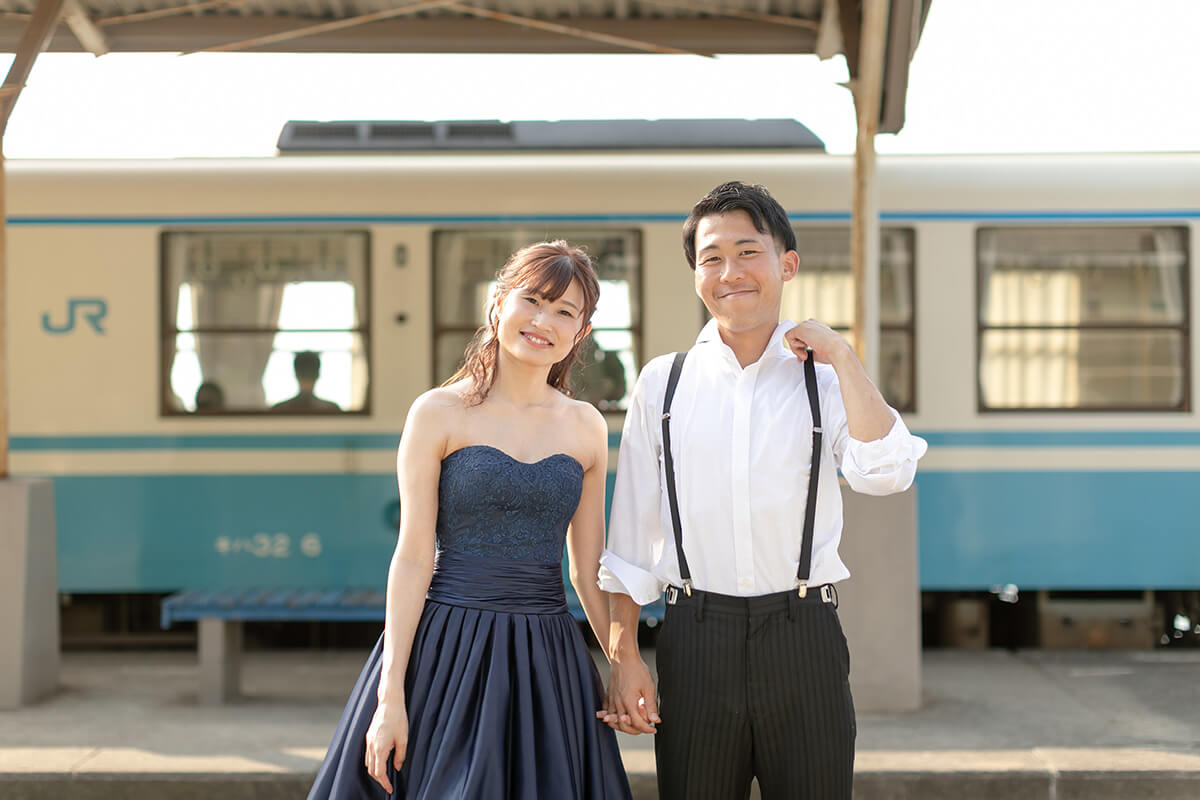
[(864, 226), (36, 36), (3, 324)]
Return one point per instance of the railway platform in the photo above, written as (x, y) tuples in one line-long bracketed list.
[(1026, 725)]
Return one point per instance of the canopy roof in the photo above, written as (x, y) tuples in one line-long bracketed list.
[(700, 27)]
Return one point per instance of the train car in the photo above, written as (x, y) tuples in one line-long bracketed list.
[(1036, 330)]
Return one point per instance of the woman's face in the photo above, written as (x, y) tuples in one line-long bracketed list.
[(538, 331)]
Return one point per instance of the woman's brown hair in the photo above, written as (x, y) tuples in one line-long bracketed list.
[(546, 269)]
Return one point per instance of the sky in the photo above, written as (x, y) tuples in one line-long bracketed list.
[(990, 76)]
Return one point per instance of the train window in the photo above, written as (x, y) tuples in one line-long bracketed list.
[(824, 289), (258, 322), (465, 267), (1083, 318)]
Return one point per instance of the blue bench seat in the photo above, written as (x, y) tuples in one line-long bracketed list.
[(219, 616)]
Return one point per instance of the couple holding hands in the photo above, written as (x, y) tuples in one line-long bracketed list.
[(726, 498)]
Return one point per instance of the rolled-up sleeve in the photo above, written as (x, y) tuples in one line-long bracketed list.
[(636, 535), (883, 466)]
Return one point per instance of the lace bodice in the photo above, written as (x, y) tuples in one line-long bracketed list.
[(491, 505)]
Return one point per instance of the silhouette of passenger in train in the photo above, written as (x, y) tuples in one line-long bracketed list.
[(308, 368), (209, 397)]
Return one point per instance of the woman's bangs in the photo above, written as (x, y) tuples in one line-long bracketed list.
[(548, 277)]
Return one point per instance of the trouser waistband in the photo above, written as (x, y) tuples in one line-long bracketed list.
[(759, 605)]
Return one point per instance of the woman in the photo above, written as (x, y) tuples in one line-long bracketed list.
[(481, 686)]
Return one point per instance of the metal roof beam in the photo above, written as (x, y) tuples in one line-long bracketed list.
[(567, 30), (705, 8), (173, 32), (175, 11), (90, 37), (325, 27), (905, 23), (34, 39)]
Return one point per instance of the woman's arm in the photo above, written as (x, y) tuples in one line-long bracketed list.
[(418, 469), (585, 536)]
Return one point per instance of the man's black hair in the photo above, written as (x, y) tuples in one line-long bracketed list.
[(765, 212)]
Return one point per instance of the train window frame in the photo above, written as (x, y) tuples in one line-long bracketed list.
[(907, 329), (1184, 327), (168, 330), (548, 233)]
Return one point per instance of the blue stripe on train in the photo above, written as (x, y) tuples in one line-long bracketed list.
[(977, 529), (166, 532), (388, 441), (1065, 530), (153, 533)]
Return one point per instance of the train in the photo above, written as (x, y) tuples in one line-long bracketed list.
[(1035, 330)]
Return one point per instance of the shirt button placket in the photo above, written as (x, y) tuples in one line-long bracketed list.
[(743, 546)]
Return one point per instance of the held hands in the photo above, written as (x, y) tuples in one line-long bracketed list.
[(828, 345), (388, 733), (630, 705)]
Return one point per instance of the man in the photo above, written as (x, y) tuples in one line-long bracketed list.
[(307, 366), (752, 664)]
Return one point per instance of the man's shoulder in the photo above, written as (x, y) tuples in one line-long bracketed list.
[(657, 369)]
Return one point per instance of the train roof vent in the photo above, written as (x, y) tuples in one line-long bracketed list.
[(323, 135), (479, 132), (625, 134)]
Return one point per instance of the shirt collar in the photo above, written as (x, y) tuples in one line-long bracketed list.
[(776, 347)]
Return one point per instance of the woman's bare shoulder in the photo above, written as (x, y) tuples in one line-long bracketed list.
[(590, 422), (443, 398), (435, 414)]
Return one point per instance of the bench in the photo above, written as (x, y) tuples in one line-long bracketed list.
[(219, 616)]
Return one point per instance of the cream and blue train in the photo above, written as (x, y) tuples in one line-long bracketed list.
[(1036, 330)]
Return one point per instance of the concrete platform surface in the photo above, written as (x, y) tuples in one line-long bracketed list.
[(993, 724)]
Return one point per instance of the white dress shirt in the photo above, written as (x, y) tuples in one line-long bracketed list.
[(741, 440)]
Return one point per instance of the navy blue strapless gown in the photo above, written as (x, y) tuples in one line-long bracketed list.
[(501, 691)]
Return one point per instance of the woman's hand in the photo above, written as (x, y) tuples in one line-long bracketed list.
[(388, 734)]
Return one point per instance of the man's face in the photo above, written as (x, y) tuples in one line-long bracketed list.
[(740, 272)]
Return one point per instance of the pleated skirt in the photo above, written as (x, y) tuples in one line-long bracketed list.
[(500, 705)]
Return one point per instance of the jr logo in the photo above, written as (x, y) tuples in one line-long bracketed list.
[(93, 310)]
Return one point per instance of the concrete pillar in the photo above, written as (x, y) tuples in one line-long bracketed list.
[(880, 606), (220, 648), (28, 592)]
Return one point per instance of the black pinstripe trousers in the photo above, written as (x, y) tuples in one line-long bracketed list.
[(764, 693)]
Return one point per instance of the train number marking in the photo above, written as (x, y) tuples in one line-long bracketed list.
[(267, 545), (92, 309)]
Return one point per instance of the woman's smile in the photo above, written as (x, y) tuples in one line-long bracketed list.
[(535, 340)]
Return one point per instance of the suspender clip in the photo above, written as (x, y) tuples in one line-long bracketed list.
[(687, 587), (666, 416), (801, 588)]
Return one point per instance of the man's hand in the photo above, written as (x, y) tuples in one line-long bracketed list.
[(630, 705), (828, 345)]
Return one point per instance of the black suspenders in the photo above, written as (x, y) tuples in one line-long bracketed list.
[(810, 507), (669, 463), (814, 477)]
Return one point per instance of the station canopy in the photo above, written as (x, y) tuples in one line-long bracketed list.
[(697, 27)]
